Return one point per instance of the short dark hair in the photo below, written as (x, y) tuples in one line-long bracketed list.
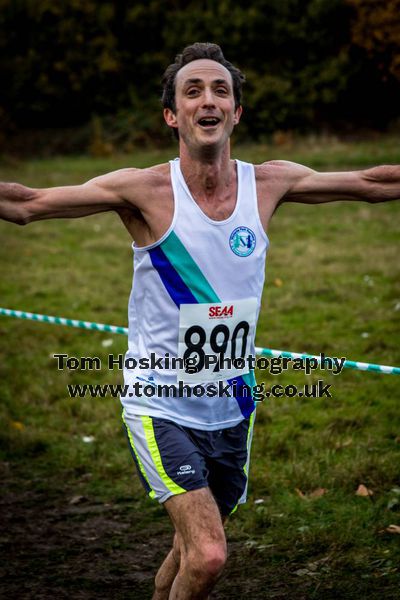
[(195, 52)]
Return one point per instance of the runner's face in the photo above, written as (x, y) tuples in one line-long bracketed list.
[(205, 106)]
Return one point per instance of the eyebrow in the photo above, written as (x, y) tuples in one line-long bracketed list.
[(195, 80)]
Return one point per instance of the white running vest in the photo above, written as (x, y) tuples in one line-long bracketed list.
[(196, 297)]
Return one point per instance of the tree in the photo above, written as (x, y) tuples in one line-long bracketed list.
[(376, 29)]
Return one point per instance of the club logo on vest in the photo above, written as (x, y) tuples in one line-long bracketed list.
[(242, 241)]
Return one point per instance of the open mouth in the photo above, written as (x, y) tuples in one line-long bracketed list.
[(208, 122)]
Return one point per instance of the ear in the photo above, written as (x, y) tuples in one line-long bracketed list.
[(170, 118), (238, 114)]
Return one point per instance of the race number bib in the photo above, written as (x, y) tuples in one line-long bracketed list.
[(212, 337)]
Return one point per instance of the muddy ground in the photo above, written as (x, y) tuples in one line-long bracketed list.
[(53, 545)]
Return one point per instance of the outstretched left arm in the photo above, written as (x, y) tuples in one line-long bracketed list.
[(377, 184)]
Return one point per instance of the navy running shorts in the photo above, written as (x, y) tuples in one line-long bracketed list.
[(172, 459)]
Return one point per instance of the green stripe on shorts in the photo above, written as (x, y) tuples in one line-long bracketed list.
[(173, 487)]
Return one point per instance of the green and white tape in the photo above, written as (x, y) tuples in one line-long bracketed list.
[(349, 364), (19, 314)]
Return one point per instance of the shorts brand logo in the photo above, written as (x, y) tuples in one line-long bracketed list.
[(185, 470)]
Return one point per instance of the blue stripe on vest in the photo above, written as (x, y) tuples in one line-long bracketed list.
[(173, 282), (246, 402)]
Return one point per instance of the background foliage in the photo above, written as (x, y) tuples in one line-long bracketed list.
[(93, 68)]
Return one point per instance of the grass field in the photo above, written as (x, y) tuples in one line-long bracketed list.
[(75, 519)]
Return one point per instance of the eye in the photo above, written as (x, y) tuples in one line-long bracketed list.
[(222, 91), (192, 92)]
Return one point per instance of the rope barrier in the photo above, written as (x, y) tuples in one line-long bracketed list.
[(348, 364)]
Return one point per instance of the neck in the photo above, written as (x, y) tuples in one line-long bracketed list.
[(207, 173)]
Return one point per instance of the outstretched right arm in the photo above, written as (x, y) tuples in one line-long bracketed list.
[(20, 204)]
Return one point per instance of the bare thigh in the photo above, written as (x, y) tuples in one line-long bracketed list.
[(197, 521)]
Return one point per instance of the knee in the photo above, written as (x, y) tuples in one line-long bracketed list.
[(215, 560), (207, 562)]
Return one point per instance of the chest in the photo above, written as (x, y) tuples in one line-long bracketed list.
[(218, 208)]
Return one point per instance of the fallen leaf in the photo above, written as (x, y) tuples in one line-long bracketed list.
[(303, 528), (301, 572), (17, 425), (278, 282), (318, 493), (320, 563), (363, 491), (393, 529), (77, 500), (314, 494), (343, 444)]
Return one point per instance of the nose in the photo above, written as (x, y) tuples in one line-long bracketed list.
[(208, 97)]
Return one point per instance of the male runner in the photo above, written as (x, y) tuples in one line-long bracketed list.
[(199, 227)]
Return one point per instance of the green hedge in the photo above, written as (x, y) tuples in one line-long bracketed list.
[(310, 64)]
